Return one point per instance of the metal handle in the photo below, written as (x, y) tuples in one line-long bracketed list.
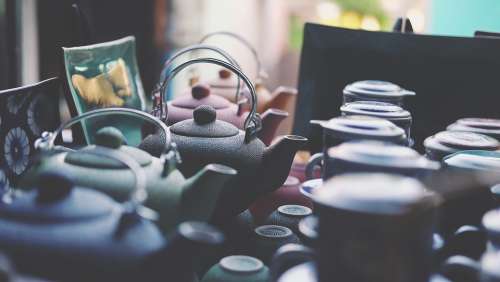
[(46, 142), (314, 161), (250, 129), (260, 71), (195, 47)]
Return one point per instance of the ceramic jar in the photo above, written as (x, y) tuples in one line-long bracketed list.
[(289, 216), (448, 142), (486, 126), (376, 90), (289, 193), (473, 160), (268, 238), (366, 228), (237, 269), (390, 112), (373, 156)]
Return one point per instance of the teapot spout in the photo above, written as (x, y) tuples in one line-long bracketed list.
[(177, 260), (201, 191), (278, 159), (284, 98), (271, 119)]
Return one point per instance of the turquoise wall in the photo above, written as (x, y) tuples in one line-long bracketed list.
[(463, 17)]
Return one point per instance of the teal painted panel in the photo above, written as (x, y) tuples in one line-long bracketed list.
[(463, 17)]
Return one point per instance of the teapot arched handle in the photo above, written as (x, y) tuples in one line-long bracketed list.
[(315, 160), (260, 71), (195, 47), (169, 156), (252, 122)]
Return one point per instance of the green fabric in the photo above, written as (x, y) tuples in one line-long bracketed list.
[(97, 63), (463, 17)]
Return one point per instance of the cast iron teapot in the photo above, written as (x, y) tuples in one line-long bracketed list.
[(225, 85), (204, 139), (171, 195), (182, 107), (64, 232)]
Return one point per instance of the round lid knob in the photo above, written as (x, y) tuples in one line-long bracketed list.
[(241, 264), (109, 137), (54, 186), (224, 73), (200, 91), (204, 114)]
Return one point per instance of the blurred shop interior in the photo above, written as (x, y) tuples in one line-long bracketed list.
[(32, 32)]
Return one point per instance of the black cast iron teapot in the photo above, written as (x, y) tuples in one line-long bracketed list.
[(68, 233), (205, 139), (171, 195)]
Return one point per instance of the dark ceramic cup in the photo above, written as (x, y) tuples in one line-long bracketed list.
[(268, 238), (289, 216), (349, 128), (446, 143), (376, 90), (237, 269), (390, 112), (490, 267), (308, 230), (374, 156), (288, 194), (370, 231), (486, 126)]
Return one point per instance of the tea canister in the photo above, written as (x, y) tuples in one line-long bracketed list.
[(486, 126), (373, 156), (448, 142), (473, 160), (367, 226), (376, 90), (390, 112), (238, 268)]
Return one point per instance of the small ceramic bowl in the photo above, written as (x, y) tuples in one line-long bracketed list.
[(269, 238), (237, 269), (289, 216)]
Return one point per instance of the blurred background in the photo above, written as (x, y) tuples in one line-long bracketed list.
[(32, 32)]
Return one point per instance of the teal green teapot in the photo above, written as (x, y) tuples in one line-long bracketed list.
[(173, 197)]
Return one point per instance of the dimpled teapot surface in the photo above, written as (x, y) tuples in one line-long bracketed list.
[(375, 90), (448, 142)]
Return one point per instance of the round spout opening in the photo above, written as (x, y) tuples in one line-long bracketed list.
[(277, 112), (221, 169), (295, 138)]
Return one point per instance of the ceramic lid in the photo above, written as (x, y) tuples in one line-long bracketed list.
[(490, 265), (475, 160), (376, 88), (363, 127), (294, 210), (373, 193), (273, 231), (56, 199), (466, 140), (109, 137), (487, 126), (200, 95), (241, 264), (204, 124), (376, 109), (379, 153)]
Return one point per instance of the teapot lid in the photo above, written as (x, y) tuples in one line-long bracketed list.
[(56, 199), (376, 109), (200, 95), (372, 193), (376, 88), (204, 124), (109, 137), (466, 140), (379, 153), (487, 126), (475, 160), (363, 127)]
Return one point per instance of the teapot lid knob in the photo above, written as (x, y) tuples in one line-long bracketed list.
[(109, 137), (224, 74), (54, 186), (204, 114), (200, 91)]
